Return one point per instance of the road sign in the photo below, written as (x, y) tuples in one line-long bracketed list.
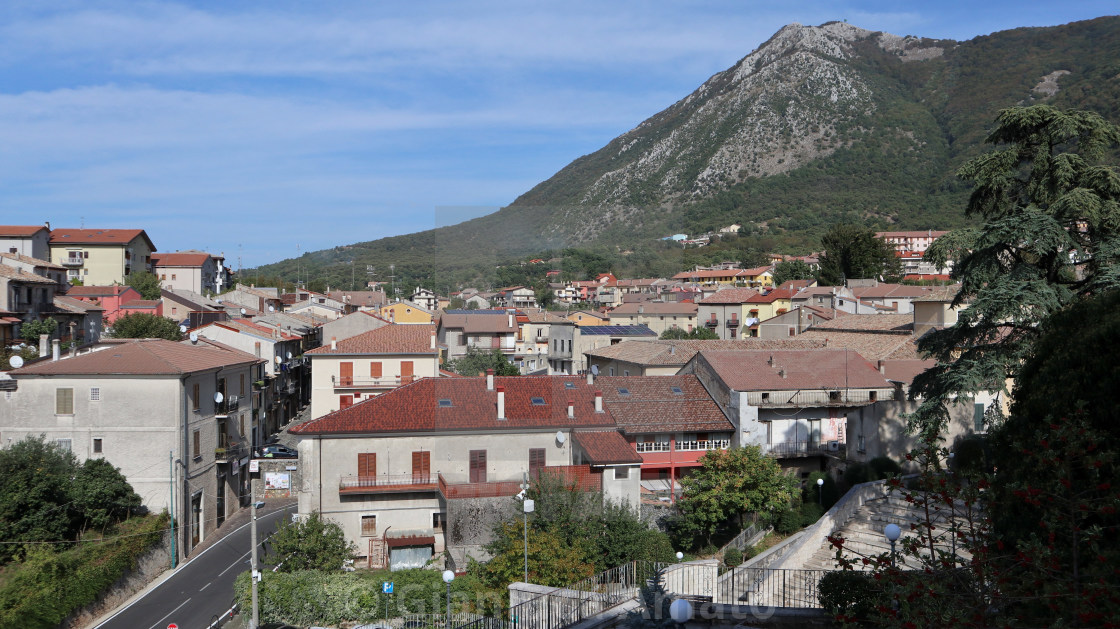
[(387, 587), (173, 626)]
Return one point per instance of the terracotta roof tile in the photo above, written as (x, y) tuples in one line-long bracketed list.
[(141, 357), (897, 323), (95, 236), (604, 447), (142, 303), (651, 404), (730, 296), (788, 370), (870, 345), (19, 275), (75, 305), (679, 352), (19, 257), (98, 291), (388, 339), (180, 259), (19, 231)]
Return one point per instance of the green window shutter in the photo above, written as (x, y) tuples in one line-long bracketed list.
[(978, 417)]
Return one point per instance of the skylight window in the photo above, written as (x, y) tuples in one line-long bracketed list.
[(569, 385), (676, 390), (624, 391), (538, 401), (445, 403)]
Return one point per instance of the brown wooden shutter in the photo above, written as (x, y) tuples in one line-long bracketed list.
[(406, 371), (536, 461), (346, 374), (478, 466), (367, 464), (375, 370), (345, 401), (421, 466)]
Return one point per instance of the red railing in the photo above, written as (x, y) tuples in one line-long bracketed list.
[(393, 482), (581, 476)]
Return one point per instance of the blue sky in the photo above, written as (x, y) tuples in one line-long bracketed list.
[(263, 129)]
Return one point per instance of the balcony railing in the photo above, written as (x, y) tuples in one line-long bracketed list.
[(652, 446), (712, 323), (347, 382), (579, 476), (229, 453), (228, 405), (732, 323), (73, 261), (789, 449), (387, 483)]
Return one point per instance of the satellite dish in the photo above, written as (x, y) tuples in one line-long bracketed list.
[(194, 337), (278, 361), (183, 329), (289, 355), (242, 312), (16, 362), (560, 438), (272, 308), (217, 300), (594, 370), (218, 397)]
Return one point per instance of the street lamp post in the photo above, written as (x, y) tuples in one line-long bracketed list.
[(680, 555), (892, 532), (448, 577), (680, 610), (820, 492)]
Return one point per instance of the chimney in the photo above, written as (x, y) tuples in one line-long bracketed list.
[(392, 316), (672, 350), (598, 401), (55, 347), (882, 368), (489, 379), (590, 377), (433, 344), (782, 373), (334, 343), (501, 402), (641, 309), (47, 224), (770, 361), (571, 409), (43, 345), (510, 315), (257, 349)]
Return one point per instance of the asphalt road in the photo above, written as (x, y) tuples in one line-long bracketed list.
[(201, 589)]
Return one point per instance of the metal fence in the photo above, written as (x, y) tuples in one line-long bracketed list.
[(767, 587)]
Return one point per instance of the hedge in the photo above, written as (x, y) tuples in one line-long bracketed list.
[(50, 585)]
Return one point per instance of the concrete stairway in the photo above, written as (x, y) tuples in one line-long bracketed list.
[(863, 533)]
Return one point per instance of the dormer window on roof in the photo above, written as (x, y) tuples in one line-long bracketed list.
[(537, 401), (624, 391), (445, 403)]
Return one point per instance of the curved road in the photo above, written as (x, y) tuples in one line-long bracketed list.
[(200, 589)]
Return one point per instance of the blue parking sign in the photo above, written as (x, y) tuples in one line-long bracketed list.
[(387, 587)]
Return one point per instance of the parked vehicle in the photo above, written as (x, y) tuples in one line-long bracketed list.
[(277, 452)]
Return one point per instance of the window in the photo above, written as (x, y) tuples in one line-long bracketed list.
[(478, 466), (241, 424), (367, 464), (766, 397), (833, 396), (438, 520), (622, 391), (172, 276), (621, 473), (536, 461), (369, 525), (64, 401), (537, 401), (346, 374), (873, 395), (445, 403), (375, 370), (174, 310), (97, 445), (95, 394), (63, 444), (196, 449), (626, 372), (421, 466), (569, 385), (194, 397), (978, 417), (163, 276), (345, 402), (677, 390), (242, 385)]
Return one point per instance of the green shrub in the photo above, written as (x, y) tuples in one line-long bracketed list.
[(970, 455), (826, 494), (848, 593), (732, 557), (883, 467), (857, 473), (789, 521), (810, 513)]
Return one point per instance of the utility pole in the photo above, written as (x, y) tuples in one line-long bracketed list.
[(256, 575), (171, 505)]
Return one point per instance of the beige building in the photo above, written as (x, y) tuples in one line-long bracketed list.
[(431, 466), (665, 357), (32, 241), (727, 312), (195, 271), (174, 417), (347, 371), (659, 316), (101, 256)]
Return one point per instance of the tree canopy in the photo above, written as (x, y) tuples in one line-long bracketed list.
[(145, 283), (141, 325), (30, 330), (1050, 236), (853, 252), (477, 361), (313, 543), (698, 332), (791, 270)]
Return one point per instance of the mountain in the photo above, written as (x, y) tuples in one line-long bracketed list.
[(820, 124)]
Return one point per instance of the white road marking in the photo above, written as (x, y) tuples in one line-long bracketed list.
[(160, 621)]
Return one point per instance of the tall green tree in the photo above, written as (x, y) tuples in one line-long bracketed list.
[(145, 283), (102, 495), (141, 325), (313, 543), (35, 494), (31, 330), (732, 483), (477, 361), (699, 333), (1049, 199), (791, 270), (854, 252)]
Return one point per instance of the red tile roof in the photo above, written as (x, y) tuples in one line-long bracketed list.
[(415, 408), (19, 231), (480, 323), (650, 405), (249, 327), (791, 370), (19, 257), (141, 303), (12, 273), (772, 296), (905, 370), (388, 339), (604, 447), (679, 352), (730, 296), (99, 291), (656, 308), (97, 236), (141, 357), (899, 323), (180, 259)]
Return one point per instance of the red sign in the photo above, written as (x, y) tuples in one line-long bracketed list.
[(173, 626)]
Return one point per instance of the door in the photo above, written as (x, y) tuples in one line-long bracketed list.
[(346, 374), (478, 466), (421, 466), (406, 371), (345, 401)]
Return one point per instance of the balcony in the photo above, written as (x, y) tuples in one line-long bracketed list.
[(347, 382), (703, 445), (387, 483), (733, 323), (580, 476), (712, 323), (227, 406), (73, 261), (652, 446), (794, 449), (230, 453)]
